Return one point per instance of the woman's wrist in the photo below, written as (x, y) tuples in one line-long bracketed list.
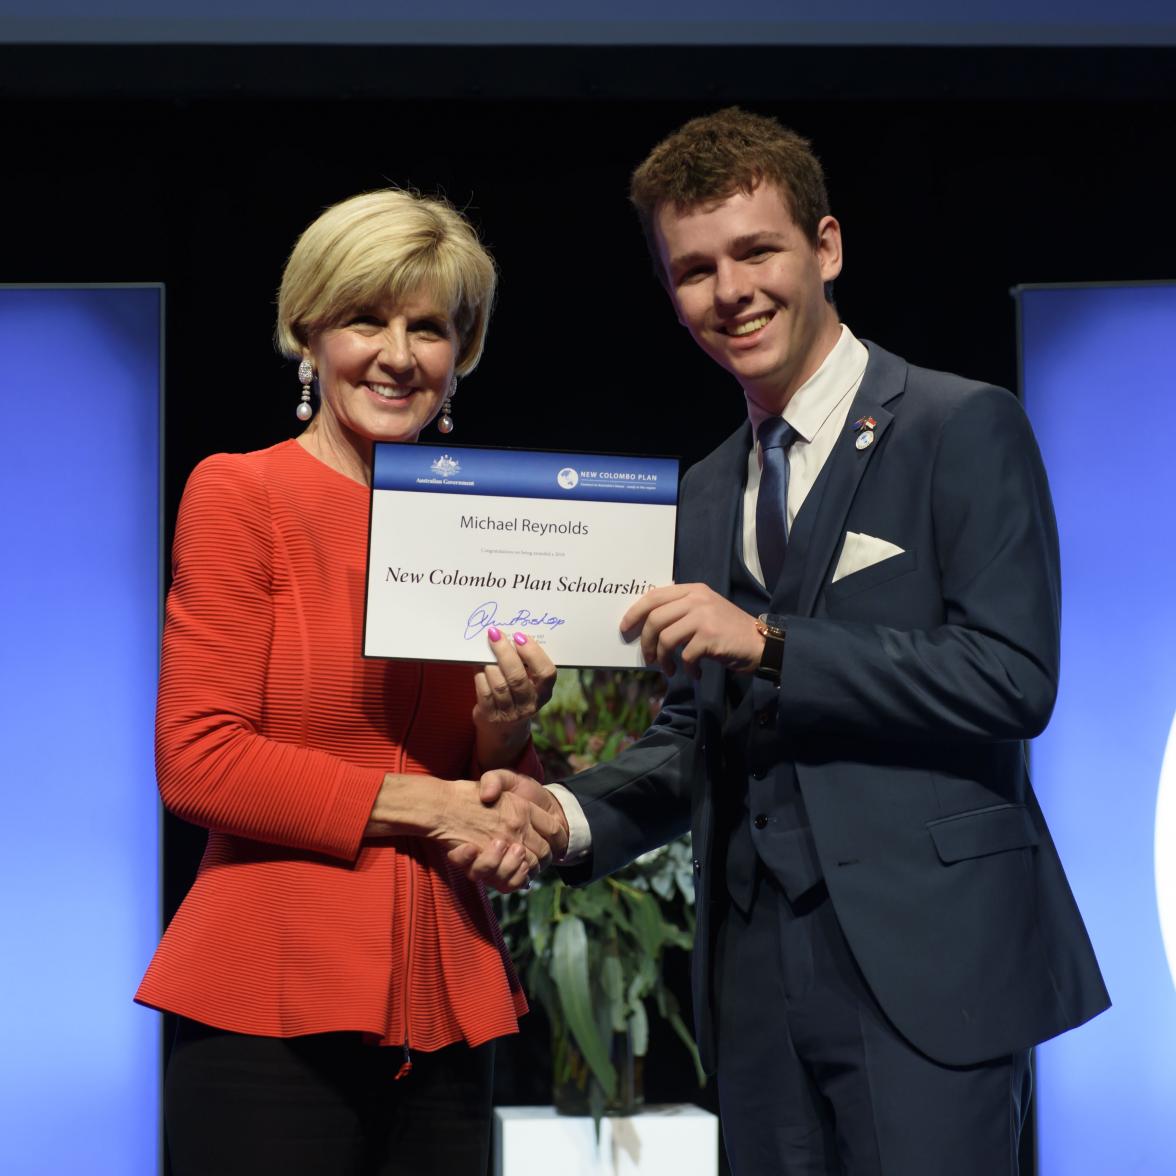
[(408, 804), (499, 745)]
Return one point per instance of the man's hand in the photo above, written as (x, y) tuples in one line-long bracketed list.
[(506, 830), (467, 817), (499, 864), (694, 622)]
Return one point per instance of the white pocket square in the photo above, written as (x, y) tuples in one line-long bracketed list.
[(861, 552)]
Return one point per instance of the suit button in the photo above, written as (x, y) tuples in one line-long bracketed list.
[(761, 820), (697, 866), (765, 716)]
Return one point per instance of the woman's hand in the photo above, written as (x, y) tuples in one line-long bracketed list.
[(498, 865), (509, 828), (511, 691)]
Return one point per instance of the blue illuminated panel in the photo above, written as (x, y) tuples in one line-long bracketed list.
[(79, 598), (601, 22), (1099, 385)]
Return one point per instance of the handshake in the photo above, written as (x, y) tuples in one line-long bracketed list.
[(501, 830), (520, 829)]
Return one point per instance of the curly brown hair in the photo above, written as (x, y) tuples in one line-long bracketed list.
[(717, 155)]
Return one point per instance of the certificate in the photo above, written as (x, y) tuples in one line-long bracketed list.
[(553, 545)]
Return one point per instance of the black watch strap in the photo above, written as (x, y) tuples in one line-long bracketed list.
[(771, 628)]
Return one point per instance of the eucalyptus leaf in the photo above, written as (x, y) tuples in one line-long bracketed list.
[(569, 966), (596, 1103), (604, 1015), (647, 921), (589, 903), (618, 914), (654, 858), (639, 1030), (643, 981), (612, 980), (540, 916), (684, 1034), (604, 1026), (567, 697)]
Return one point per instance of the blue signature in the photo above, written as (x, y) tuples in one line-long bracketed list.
[(486, 615)]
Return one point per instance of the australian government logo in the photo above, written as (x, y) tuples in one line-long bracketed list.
[(445, 470)]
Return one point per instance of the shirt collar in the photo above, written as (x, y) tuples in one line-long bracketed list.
[(813, 402)]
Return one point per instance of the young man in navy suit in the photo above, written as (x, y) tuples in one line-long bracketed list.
[(862, 634)]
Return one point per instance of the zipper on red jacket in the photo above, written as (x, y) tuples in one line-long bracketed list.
[(410, 863), (406, 1065)]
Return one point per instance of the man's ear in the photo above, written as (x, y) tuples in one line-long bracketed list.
[(828, 247)]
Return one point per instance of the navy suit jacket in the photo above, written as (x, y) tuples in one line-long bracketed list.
[(907, 691)]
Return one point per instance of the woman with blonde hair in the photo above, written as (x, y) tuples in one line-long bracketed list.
[(339, 981)]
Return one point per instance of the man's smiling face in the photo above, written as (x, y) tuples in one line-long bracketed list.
[(750, 287)]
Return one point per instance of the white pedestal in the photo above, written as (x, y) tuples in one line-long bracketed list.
[(675, 1140)]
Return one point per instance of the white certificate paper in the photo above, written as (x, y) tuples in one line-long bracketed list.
[(553, 545)]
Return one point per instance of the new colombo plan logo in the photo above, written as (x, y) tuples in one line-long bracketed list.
[(1166, 850), (567, 478)]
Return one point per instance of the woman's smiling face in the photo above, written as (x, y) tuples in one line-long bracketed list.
[(384, 375)]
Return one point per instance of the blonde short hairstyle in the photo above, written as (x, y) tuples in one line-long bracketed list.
[(389, 244)]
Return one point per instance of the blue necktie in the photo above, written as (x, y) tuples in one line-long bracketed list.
[(771, 508)]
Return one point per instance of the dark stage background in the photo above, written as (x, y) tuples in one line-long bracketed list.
[(956, 173)]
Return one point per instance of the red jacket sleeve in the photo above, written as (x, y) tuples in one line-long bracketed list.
[(214, 767)]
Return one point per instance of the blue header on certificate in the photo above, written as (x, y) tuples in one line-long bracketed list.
[(516, 473)]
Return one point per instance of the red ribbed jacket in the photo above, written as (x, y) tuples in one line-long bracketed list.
[(275, 734)]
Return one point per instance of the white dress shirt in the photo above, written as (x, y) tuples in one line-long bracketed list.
[(817, 411)]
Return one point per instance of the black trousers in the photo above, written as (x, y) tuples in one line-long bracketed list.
[(815, 1081), (324, 1105)]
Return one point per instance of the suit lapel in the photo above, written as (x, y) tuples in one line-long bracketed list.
[(705, 538), (885, 378)]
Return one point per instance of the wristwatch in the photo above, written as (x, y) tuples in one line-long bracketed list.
[(771, 628)]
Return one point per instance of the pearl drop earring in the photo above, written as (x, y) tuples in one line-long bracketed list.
[(445, 420), (305, 410)]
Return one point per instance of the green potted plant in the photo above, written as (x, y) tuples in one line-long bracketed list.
[(593, 956)]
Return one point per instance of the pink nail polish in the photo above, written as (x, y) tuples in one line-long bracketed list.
[(495, 634), (520, 639)]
